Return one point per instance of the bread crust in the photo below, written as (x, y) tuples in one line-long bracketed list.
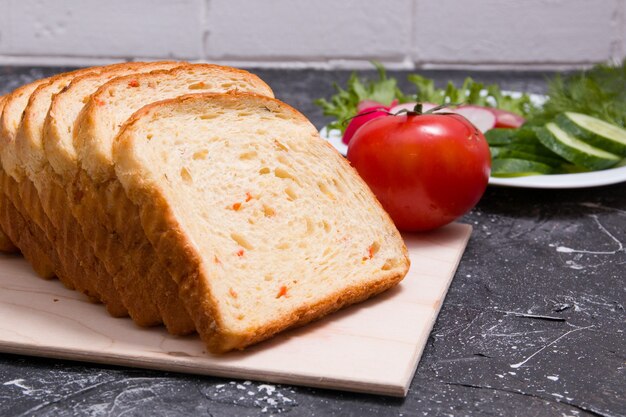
[(180, 255), (90, 275), (6, 245), (18, 229), (117, 220), (39, 252), (75, 271)]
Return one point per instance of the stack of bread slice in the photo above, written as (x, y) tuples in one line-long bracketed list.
[(186, 195)]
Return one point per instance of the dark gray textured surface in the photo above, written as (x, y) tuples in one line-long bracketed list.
[(533, 324)]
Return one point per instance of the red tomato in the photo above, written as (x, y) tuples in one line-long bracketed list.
[(426, 169)]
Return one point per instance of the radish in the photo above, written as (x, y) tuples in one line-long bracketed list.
[(507, 119), (368, 104), (480, 117), (360, 119)]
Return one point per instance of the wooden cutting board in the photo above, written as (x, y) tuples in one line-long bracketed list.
[(372, 347)]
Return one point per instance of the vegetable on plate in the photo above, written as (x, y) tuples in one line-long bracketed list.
[(579, 127)]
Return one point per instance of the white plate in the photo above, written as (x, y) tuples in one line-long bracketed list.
[(582, 180)]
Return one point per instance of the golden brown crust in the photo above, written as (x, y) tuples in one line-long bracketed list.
[(20, 231), (147, 285), (125, 80), (182, 261), (76, 271), (133, 281), (95, 278), (234, 98), (6, 245), (24, 233)]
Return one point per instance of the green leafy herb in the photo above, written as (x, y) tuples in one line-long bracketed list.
[(598, 92), (471, 92), (343, 104)]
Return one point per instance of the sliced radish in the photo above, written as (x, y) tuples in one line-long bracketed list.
[(507, 119), (480, 117), (411, 106), (360, 119), (368, 104)]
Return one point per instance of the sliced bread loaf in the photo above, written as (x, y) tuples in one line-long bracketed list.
[(262, 223), (95, 128), (11, 175), (138, 287), (6, 245), (25, 235), (91, 276)]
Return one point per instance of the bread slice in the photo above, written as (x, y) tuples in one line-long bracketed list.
[(25, 235), (114, 102), (49, 265), (106, 110), (6, 245), (90, 275), (72, 271), (136, 284), (262, 223), (95, 129)]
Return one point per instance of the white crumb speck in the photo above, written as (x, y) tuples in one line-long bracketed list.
[(563, 249), (269, 389), (20, 384), (553, 377)]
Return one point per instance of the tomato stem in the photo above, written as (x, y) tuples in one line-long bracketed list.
[(417, 110), (373, 110)]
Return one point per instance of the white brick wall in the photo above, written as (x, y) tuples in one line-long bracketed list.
[(320, 33)]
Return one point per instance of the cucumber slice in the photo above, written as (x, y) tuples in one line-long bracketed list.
[(498, 137), (574, 149), (514, 167), (594, 131), (506, 152), (504, 136), (534, 148)]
